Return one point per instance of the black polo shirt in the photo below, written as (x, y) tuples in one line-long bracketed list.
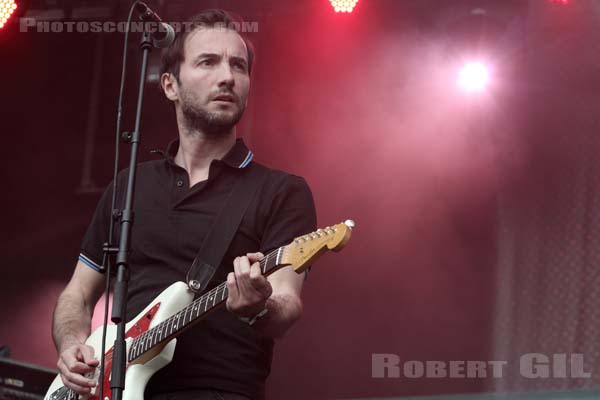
[(171, 221)]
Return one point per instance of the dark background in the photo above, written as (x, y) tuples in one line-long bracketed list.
[(476, 236)]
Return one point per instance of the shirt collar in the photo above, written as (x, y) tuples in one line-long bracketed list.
[(238, 157)]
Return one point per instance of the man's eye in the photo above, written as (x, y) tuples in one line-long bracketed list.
[(240, 66), (207, 62)]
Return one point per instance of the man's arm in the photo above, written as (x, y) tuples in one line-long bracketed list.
[(71, 327), (250, 293)]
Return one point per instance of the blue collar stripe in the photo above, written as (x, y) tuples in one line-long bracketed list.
[(247, 160)]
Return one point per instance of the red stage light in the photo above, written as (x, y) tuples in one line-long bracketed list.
[(7, 8), (563, 2), (346, 6)]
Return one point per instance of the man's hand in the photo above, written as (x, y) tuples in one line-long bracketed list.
[(75, 361), (248, 288)]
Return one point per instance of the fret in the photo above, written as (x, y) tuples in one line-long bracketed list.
[(184, 311), (140, 348), (134, 345), (193, 309), (169, 326), (176, 322), (155, 335), (173, 324), (152, 332), (196, 309), (205, 303), (183, 323), (185, 319), (191, 318), (147, 342), (161, 331), (141, 345), (131, 354)]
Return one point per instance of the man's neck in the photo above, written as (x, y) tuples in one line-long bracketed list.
[(197, 150)]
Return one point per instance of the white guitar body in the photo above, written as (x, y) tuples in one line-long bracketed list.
[(171, 300)]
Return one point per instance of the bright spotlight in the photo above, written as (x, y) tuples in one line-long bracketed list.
[(344, 6), (7, 8), (474, 77)]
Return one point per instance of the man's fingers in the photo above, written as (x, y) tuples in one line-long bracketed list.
[(79, 367), (73, 363), (233, 291), (74, 380), (242, 274), (259, 282), (79, 380), (255, 271), (236, 266), (250, 280), (244, 265), (251, 287), (254, 257), (87, 353), (81, 389), (232, 285)]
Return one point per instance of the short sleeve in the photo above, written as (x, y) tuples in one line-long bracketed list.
[(292, 214), (97, 232)]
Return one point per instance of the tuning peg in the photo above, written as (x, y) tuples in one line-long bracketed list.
[(349, 223)]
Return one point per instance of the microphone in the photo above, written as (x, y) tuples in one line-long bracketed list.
[(165, 34)]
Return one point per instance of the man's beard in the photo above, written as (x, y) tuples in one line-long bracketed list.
[(211, 123)]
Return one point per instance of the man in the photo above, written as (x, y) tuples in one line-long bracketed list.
[(206, 74)]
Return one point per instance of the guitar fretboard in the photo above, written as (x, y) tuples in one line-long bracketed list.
[(194, 311)]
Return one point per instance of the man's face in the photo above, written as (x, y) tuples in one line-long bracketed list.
[(213, 80)]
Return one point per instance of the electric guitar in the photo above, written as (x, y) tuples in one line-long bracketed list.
[(150, 336)]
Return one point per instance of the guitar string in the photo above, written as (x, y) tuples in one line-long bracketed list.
[(199, 302), (202, 302)]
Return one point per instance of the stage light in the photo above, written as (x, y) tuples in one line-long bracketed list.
[(7, 8), (345, 6), (474, 77), (563, 2)]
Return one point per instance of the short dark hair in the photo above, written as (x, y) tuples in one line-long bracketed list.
[(175, 54)]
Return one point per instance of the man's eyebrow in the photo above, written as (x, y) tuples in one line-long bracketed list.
[(239, 59), (218, 56), (206, 55)]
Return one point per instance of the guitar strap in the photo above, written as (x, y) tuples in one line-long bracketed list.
[(224, 227)]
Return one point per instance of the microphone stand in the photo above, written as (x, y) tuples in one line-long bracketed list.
[(119, 362)]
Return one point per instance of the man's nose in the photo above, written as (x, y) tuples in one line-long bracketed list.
[(226, 75)]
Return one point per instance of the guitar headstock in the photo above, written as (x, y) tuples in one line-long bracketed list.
[(306, 248)]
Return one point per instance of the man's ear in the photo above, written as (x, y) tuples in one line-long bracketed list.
[(170, 86)]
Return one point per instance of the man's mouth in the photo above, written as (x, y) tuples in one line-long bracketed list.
[(225, 97)]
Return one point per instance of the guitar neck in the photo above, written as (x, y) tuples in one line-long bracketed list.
[(195, 311)]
